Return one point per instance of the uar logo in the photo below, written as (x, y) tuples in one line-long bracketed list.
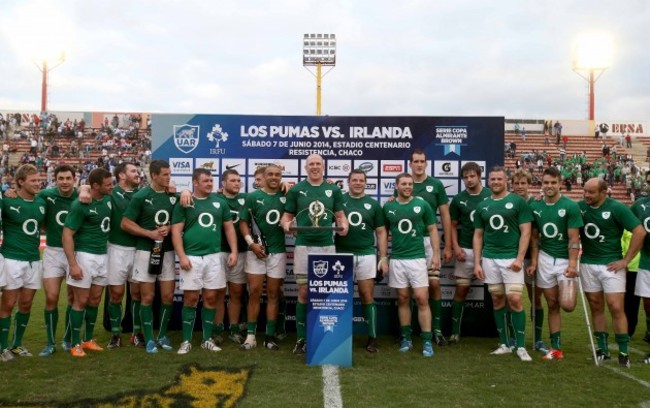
[(217, 135), (320, 268), (186, 137), (606, 215)]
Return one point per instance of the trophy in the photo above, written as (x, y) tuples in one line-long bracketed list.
[(316, 210)]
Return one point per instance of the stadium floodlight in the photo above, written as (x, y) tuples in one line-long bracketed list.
[(319, 50), (45, 70), (592, 56)]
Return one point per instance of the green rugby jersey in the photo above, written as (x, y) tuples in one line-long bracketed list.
[(500, 219), (462, 209), (432, 191), (267, 210), (299, 198), (120, 199), (236, 204), (364, 216), (641, 209), (21, 228), (407, 223), (202, 230), (149, 208), (603, 229), (92, 223), (57, 208), (553, 222)]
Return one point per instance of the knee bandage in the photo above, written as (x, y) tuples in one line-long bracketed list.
[(496, 288), (434, 273), (514, 288)]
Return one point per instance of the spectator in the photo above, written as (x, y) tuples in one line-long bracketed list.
[(523, 134), (628, 141)]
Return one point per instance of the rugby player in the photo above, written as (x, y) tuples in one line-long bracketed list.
[(501, 238), (462, 209), (85, 237), (21, 228), (197, 236), (555, 247), (602, 270), (299, 199), (55, 265), (147, 217), (433, 192), (641, 208), (235, 275), (266, 256), (406, 218), (521, 181), (366, 221), (121, 255)]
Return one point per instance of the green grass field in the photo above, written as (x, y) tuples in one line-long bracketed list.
[(462, 375)]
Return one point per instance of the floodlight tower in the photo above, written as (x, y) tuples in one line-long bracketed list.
[(319, 50), (45, 70), (592, 56)]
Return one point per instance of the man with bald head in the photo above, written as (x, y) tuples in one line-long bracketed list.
[(602, 271), (300, 202)]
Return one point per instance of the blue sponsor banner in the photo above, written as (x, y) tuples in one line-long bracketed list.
[(329, 309), (380, 146)]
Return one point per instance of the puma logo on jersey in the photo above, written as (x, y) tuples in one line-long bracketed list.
[(149, 200), (260, 202), (583, 212), (17, 209), (463, 203), (538, 213), (53, 200), (643, 207), (93, 211), (485, 208), (391, 212), (303, 193), (120, 194)]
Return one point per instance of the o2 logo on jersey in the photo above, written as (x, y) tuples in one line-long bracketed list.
[(593, 232), (498, 223)]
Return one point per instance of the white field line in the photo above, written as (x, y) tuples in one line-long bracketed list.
[(627, 375), (331, 387)]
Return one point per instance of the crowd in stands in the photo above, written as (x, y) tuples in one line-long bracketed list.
[(53, 142), (576, 168)]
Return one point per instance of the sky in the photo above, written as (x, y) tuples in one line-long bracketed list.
[(394, 58)]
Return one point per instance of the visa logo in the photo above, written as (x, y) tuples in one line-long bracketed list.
[(181, 165), (389, 185)]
